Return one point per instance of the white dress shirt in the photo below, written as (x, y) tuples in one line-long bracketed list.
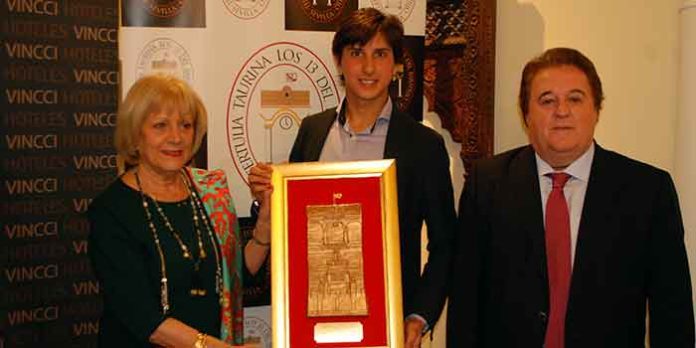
[(574, 190), (345, 144)]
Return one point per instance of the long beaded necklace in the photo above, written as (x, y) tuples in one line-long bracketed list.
[(197, 202), (198, 213)]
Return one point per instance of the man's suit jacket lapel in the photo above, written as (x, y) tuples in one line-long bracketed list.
[(525, 202), (395, 135), (318, 136), (596, 216)]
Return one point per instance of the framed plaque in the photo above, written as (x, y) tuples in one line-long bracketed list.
[(336, 274)]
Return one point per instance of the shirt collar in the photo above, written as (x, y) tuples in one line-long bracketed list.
[(579, 169), (384, 115)]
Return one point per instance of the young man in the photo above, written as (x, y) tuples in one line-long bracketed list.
[(564, 243), (366, 126)]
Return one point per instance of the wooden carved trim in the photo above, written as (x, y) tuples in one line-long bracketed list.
[(460, 72)]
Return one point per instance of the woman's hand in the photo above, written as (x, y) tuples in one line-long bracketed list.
[(260, 181), (175, 334), (256, 251)]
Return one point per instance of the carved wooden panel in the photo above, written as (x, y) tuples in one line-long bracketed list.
[(460, 71)]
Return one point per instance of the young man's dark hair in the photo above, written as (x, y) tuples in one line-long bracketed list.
[(362, 25)]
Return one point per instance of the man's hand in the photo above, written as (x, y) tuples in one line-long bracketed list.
[(413, 331)]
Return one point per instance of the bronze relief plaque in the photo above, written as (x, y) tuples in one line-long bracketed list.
[(335, 262)]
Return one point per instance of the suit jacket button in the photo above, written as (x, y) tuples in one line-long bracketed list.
[(542, 315)]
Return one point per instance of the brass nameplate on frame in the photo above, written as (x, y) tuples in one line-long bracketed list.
[(343, 332)]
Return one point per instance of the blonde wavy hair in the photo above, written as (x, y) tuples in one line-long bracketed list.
[(154, 94)]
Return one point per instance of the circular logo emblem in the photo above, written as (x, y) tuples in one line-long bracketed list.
[(406, 84), (399, 8), (164, 56), (164, 8), (246, 9), (257, 332), (274, 90), (322, 11)]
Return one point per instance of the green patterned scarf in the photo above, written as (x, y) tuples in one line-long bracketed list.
[(215, 194)]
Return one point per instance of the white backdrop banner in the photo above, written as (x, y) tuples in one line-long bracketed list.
[(260, 66)]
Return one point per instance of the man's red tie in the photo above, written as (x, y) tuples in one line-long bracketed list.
[(557, 260)]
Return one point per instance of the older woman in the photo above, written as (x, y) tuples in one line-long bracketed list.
[(164, 238)]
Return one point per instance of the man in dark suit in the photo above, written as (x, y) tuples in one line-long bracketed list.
[(367, 125), (563, 243)]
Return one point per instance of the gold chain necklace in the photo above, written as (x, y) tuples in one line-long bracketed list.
[(196, 204), (197, 210)]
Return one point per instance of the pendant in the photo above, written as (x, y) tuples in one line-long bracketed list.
[(197, 288), (198, 292)]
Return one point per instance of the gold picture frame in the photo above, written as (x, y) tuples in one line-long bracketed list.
[(296, 188)]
